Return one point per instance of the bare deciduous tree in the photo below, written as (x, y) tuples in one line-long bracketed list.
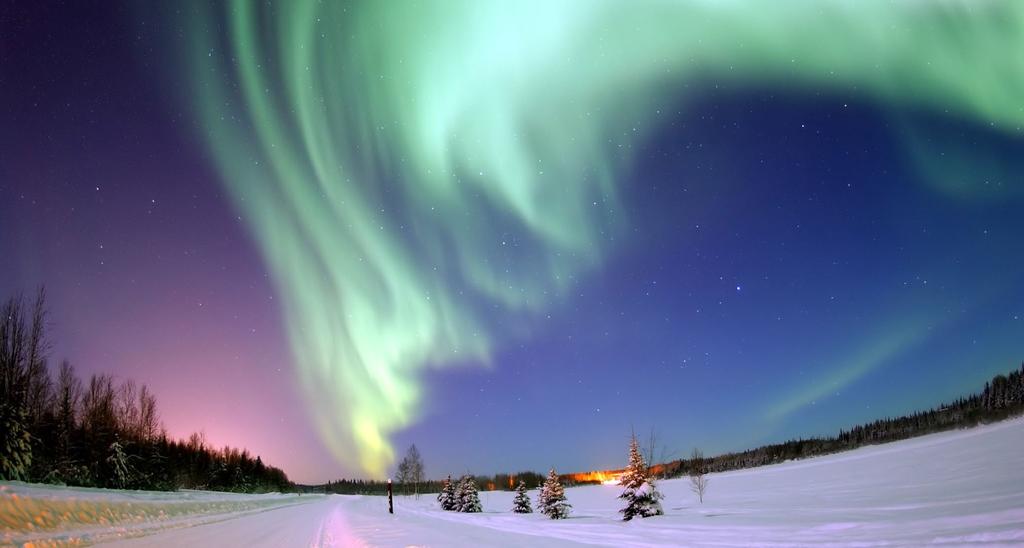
[(197, 441), (37, 383), (99, 407), (149, 420), (698, 474), (410, 470), (127, 408), (656, 456), (24, 382)]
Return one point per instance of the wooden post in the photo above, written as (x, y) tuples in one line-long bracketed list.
[(391, 504)]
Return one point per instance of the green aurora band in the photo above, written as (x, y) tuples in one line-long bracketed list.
[(419, 176)]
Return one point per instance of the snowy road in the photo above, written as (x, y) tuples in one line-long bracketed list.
[(339, 521), (955, 488)]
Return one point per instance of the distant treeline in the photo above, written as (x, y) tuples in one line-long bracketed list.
[(500, 482), (1001, 397), (56, 429)]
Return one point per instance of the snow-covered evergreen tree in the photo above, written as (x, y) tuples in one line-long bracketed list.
[(641, 496), (15, 442), (122, 474), (552, 502), (468, 498), (457, 495), (446, 498), (521, 504), (238, 482), (542, 497)]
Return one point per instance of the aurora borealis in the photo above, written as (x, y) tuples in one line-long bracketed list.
[(473, 216)]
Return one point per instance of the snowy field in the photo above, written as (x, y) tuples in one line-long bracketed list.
[(957, 488)]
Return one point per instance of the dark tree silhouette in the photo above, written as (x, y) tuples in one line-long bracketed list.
[(56, 429)]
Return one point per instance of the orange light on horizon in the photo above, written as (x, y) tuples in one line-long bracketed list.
[(603, 477)]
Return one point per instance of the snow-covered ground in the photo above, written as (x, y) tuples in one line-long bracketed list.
[(75, 515), (956, 488)]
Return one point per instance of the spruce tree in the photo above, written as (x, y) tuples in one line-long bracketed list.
[(542, 496), (457, 494), (468, 498), (641, 496), (521, 504), (553, 502), (15, 442), (122, 474), (446, 498)]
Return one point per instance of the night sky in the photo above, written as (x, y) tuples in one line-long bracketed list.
[(326, 231)]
